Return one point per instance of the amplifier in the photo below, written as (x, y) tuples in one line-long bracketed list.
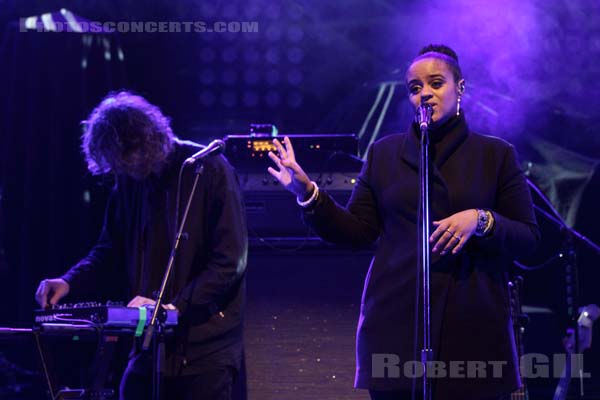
[(332, 181), (325, 152), (330, 160), (272, 211)]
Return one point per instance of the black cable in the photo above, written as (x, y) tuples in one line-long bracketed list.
[(539, 266), (339, 153), (83, 323)]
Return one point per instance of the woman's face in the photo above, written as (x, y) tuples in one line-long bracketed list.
[(430, 80)]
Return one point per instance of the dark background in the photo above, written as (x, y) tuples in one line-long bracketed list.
[(312, 67)]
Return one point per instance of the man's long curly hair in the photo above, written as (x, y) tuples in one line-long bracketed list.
[(126, 135)]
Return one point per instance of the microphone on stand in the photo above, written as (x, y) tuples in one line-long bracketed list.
[(423, 116), (212, 149)]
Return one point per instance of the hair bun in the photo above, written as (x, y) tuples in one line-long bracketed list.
[(440, 48)]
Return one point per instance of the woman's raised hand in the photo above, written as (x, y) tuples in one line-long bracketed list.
[(289, 173)]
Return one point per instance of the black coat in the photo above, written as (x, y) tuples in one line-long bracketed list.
[(469, 295), (208, 281)]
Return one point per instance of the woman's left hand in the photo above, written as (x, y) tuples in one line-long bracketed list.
[(453, 232)]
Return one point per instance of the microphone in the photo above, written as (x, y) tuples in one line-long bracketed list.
[(424, 115), (212, 149)]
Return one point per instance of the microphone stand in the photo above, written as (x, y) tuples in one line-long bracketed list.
[(571, 267), (154, 325), (424, 118)]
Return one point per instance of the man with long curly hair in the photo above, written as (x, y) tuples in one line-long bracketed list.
[(131, 139)]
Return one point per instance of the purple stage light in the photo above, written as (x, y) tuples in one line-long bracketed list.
[(252, 11), (207, 98), (229, 77), (295, 55), (273, 77), (251, 56), (273, 55), (208, 10), (273, 98), (273, 11), (295, 77), (230, 11), (273, 33), (295, 33), (229, 99), (250, 99), (207, 55), (295, 99), (207, 76), (229, 55), (251, 77)]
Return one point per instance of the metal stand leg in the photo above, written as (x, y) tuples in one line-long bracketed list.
[(36, 335)]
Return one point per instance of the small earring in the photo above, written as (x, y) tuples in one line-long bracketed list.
[(458, 107)]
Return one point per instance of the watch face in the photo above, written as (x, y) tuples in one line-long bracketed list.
[(482, 222)]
